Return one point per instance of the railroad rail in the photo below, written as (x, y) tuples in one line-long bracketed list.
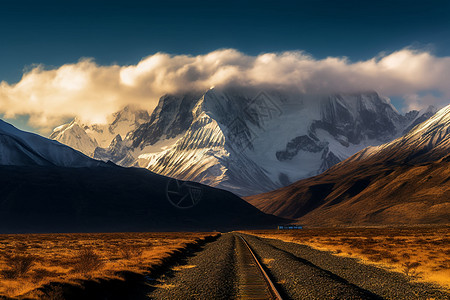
[(254, 281)]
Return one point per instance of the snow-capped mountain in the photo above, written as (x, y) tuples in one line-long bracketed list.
[(20, 148), (88, 137), (250, 142), (405, 181)]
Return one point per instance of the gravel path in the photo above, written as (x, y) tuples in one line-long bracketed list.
[(292, 262), (210, 274)]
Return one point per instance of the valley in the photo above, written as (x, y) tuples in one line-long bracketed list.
[(313, 263)]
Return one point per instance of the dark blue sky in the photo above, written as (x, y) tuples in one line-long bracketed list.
[(58, 32)]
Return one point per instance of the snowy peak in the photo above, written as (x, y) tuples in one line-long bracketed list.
[(26, 149), (128, 120), (88, 137), (430, 138), (75, 136)]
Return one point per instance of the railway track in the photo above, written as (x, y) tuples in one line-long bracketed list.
[(229, 268), (254, 282)]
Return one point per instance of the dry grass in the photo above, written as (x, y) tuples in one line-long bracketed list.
[(86, 261), (29, 261), (18, 265), (423, 253), (183, 267)]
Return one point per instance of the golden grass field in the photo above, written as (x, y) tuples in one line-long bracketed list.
[(30, 261), (423, 253)]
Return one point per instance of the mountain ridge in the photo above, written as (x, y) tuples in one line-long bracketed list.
[(20, 148)]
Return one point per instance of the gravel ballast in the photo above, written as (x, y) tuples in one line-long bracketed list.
[(209, 274), (377, 282)]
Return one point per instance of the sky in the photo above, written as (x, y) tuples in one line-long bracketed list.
[(60, 59)]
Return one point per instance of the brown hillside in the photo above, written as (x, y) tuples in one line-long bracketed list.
[(366, 193)]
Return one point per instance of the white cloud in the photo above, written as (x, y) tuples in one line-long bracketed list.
[(92, 92)]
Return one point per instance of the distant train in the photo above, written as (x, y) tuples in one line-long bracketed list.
[(284, 227)]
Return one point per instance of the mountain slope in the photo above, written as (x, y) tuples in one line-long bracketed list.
[(113, 199), (49, 187), (248, 141), (21, 148), (406, 181)]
